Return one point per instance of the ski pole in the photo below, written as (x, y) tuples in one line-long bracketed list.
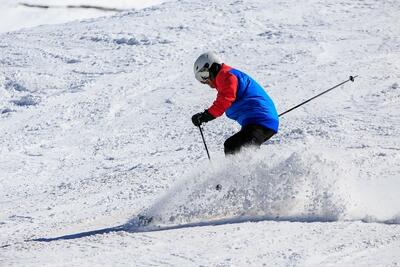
[(204, 141), (351, 78), (218, 187)]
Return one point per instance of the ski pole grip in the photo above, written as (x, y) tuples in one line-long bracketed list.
[(352, 78)]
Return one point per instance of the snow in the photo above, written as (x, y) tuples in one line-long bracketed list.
[(15, 16), (95, 130)]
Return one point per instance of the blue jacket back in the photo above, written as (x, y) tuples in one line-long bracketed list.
[(252, 104)]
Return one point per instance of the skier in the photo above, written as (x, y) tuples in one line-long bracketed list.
[(241, 98)]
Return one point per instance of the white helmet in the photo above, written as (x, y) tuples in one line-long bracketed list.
[(202, 65)]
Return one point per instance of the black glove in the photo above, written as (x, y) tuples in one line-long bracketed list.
[(201, 118)]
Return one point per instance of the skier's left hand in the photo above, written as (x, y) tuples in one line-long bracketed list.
[(201, 118)]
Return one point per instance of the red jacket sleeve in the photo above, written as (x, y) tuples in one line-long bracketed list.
[(226, 85)]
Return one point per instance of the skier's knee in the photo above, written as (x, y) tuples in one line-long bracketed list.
[(230, 147)]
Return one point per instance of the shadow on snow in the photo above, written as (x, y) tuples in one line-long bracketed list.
[(129, 228)]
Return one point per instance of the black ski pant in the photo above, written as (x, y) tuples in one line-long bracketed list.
[(249, 135)]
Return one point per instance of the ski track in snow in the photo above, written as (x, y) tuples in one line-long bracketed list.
[(95, 129)]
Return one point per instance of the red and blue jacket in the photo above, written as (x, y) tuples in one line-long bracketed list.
[(243, 100)]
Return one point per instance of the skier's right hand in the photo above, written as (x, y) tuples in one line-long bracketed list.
[(201, 118)]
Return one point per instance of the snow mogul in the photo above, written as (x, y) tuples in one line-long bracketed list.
[(241, 98)]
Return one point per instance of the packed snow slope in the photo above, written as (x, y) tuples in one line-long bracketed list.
[(95, 130), (15, 15)]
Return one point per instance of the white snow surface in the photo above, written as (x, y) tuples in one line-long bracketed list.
[(95, 130), (14, 15)]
